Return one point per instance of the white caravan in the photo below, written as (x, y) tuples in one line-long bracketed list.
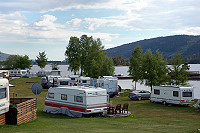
[(43, 73), (84, 81), (76, 100), (172, 95), (74, 79), (62, 82), (109, 83), (4, 95), (18, 73), (49, 81)]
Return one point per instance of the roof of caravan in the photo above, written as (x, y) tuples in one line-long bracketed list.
[(107, 77), (81, 88), (85, 78), (172, 86)]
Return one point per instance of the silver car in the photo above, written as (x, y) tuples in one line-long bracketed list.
[(139, 95)]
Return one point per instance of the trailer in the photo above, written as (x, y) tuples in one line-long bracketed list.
[(172, 95), (84, 81), (109, 83), (74, 79), (76, 101), (5, 73), (4, 96), (18, 73)]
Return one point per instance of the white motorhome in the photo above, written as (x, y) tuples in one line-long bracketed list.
[(109, 83), (84, 81), (18, 73), (55, 73), (76, 100), (49, 81), (172, 94), (43, 73), (4, 95)]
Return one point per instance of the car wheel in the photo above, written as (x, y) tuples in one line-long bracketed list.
[(139, 98)]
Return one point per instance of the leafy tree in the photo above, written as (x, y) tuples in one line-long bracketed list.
[(178, 72), (73, 54), (155, 70), (91, 56), (135, 67), (85, 44), (23, 62), (11, 61), (41, 59), (17, 62)]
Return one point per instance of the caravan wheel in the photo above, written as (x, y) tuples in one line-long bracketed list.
[(164, 103), (139, 98)]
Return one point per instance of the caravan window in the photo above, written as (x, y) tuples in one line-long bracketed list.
[(2, 93), (175, 93), (50, 95), (72, 78), (63, 97), (64, 82), (84, 81), (78, 99), (157, 92), (187, 94)]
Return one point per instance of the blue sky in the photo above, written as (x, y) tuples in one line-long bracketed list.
[(28, 27)]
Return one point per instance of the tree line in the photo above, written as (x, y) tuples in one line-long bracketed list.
[(151, 69)]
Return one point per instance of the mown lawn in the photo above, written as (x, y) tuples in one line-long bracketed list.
[(146, 117)]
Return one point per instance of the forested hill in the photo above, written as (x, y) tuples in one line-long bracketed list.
[(187, 45)]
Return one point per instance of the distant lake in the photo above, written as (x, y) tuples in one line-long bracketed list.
[(125, 84)]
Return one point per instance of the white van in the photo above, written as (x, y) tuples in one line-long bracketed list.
[(109, 83), (84, 81), (76, 100), (4, 96), (172, 95)]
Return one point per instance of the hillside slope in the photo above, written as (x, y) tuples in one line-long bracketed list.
[(185, 44), (3, 56)]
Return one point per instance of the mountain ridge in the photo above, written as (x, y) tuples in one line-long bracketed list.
[(187, 45)]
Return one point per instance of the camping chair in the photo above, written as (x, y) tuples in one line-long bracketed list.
[(118, 108), (125, 108)]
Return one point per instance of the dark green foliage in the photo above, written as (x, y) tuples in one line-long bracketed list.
[(168, 46), (88, 55), (18, 62), (178, 72), (119, 61), (41, 60), (73, 54)]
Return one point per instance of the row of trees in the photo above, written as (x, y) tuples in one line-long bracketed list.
[(87, 54), (153, 70), (23, 62)]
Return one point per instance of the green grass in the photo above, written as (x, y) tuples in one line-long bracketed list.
[(146, 117)]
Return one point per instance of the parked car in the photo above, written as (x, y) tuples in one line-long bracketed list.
[(139, 95)]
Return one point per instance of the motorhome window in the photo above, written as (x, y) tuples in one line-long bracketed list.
[(11, 72), (102, 85), (72, 78), (18, 72), (78, 99), (15, 72), (187, 94), (64, 82), (50, 95), (2, 93), (157, 92), (84, 81), (175, 93), (23, 72), (63, 97)]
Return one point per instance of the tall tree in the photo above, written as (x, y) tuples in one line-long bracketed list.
[(41, 59), (155, 70), (135, 67), (178, 72), (85, 44), (11, 61), (73, 54)]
